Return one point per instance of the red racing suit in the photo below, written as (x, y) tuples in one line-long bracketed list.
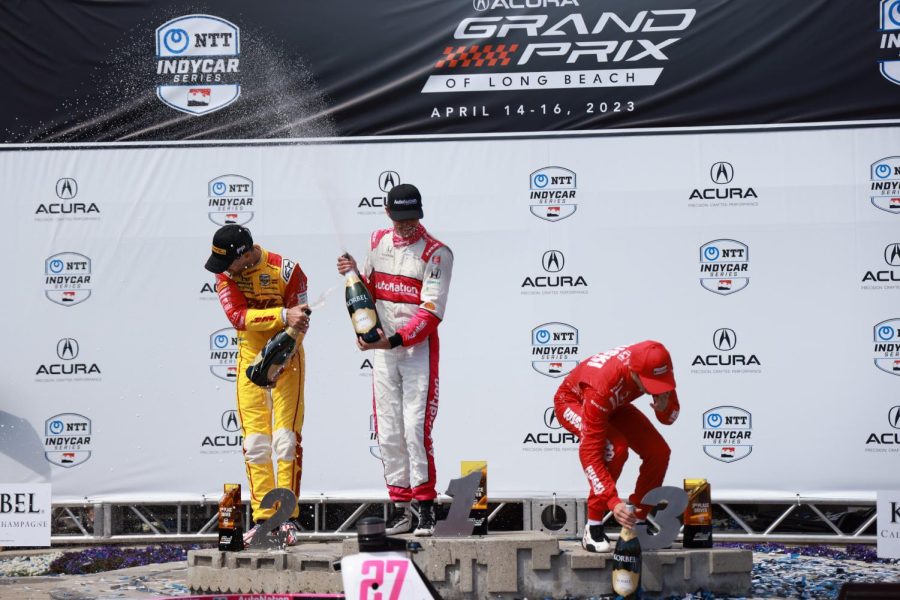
[(594, 403), (271, 418), (409, 279)]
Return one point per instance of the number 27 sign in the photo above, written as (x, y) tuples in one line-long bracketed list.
[(382, 576)]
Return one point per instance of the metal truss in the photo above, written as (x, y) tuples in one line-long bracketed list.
[(750, 521)]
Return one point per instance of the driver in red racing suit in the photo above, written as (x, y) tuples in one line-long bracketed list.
[(594, 403)]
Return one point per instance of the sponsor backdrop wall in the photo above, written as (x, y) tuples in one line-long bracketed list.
[(693, 171), (769, 263)]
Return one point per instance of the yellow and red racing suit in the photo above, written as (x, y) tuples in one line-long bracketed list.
[(255, 301)]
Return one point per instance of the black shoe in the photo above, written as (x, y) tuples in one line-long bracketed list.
[(426, 519), (400, 520), (595, 539)]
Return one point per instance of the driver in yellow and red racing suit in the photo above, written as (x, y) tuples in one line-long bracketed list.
[(262, 293)]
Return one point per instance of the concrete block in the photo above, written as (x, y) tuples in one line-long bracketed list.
[(499, 566)]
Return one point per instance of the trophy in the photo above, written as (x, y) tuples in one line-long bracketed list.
[(698, 514), (479, 511), (231, 527)]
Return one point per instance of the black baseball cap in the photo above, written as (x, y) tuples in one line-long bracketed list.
[(229, 242), (404, 202)]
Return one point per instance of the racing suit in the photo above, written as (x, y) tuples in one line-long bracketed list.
[(271, 418), (594, 403), (408, 278)]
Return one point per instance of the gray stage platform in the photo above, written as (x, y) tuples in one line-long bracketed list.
[(500, 565)]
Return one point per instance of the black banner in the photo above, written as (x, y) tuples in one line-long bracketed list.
[(141, 71)]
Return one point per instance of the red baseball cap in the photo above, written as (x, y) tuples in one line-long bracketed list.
[(653, 365)]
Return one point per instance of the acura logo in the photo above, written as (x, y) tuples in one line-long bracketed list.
[(721, 173), (66, 188), (550, 419), (894, 417), (480, 4), (724, 339), (67, 348), (387, 180), (230, 421), (553, 261), (892, 254)]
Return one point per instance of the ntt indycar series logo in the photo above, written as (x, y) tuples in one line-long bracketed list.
[(230, 200), (724, 266), (552, 192), (67, 278), (887, 346), (727, 432), (885, 184), (557, 44), (67, 439), (198, 63), (223, 349), (890, 40), (554, 347)]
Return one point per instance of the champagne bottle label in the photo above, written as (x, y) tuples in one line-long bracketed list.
[(625, 582), (364, 319)]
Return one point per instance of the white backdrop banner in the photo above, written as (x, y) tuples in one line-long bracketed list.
[(768, 262)]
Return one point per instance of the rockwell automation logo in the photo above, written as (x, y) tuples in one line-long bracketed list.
[(198, 63), (374, 204), (230, 200), (554, 348), (67, 278), (552, 192), (553, 44), (724, 266)]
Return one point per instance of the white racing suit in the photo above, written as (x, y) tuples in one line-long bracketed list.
[(409, 279)]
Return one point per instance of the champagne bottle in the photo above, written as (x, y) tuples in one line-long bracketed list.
[(231, 528), (361, 308), (626, 574), (269, 363)]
